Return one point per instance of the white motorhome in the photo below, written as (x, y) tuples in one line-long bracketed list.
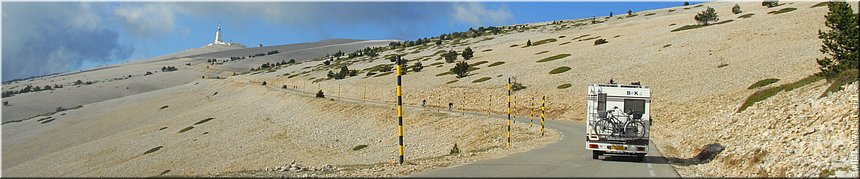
[(618, 120)]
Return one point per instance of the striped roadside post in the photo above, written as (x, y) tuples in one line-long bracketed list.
[(509, 112), (531, 112), (489, 106), (542, 111), (399, 110)]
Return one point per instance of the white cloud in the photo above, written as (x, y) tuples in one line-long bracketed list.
[(147, 20), (476, 14)]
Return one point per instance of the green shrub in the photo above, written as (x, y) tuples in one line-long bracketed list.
[(542, 52), (544, 41), (564, 86), (417, 67), (320, 94), (516, 86), (840, 41), (495, 64), (736, 9), (481, 80), (555, 57), (455, 150), (600, 41), (694, 26), (763, 94), (705, 17), (461, 69), (467, 53), (770, 3), (452, 81), (783, 10), (763, 82), (559, 70), (450, 56), (529, 43), (722, 65)]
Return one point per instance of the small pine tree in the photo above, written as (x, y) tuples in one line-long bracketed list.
[(320, 94), (736, 9), (629, 12), (417, 67), (610, 14), (467, 53), (450, 56), (529, 43), (770, 3), (264, 83), (705, 17), (686, 3), (840, 43), (461, 69)]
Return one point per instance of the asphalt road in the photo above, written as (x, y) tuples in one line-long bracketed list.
[(565, 158)]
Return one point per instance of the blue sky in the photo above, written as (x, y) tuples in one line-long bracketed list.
[(48, 37)]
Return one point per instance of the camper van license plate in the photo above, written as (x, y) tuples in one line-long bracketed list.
[(617, 147)]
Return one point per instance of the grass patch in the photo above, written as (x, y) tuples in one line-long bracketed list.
[(590, 38), (163, 107), (695, 26), (763, 82), (821, 4), (671, 10), (481, 80), (437, 63), (746, 15), (650, 14), (565, 43), (186, 129), (555, 57), (48, 120), (478, 63), (152, 150), (783, 10), (722, 65), (359, 147), (487, 50), (542, 52), (842, 79), (162, 128), (204, 121), (544, 41), (763, 94), (667, 45), (453, 81), (559, 70), (495, 64), (515, 45), (564, 86)]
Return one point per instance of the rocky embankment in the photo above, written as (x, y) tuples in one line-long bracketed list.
[(795, 133)]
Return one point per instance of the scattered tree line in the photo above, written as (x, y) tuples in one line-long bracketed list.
[(30, 88), (168, 68)]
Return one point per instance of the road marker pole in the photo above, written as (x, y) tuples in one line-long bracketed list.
[(489, 106), (464, 103), (542, 111), (509, 112), (399, 110), (531, 113)]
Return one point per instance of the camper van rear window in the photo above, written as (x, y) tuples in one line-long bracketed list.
[(636, 105)]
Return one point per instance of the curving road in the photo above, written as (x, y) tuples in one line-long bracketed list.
[(565, 158)]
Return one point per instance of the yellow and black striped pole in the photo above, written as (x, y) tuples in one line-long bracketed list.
[(509, 112), (489, 106), (542, 111), (399, 110), (531, 113)]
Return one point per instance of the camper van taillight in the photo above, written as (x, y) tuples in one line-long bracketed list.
[(640, 148), (593, 146)]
